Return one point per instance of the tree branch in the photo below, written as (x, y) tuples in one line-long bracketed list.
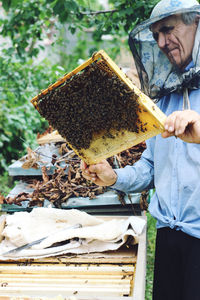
[(99, 12)]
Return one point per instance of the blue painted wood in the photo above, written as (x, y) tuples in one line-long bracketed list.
[(45, 152), (108, 198)]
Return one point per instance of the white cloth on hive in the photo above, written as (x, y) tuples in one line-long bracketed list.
[(95, 235)]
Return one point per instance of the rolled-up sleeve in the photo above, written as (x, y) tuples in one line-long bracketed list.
[(140, 176)]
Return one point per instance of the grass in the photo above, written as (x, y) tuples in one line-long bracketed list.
[(6, 184), (151, 234)]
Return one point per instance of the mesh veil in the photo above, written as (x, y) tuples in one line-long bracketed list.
[(157, 75)]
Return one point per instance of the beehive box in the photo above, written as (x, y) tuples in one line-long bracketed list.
[(98, 110), (110, 275), (103, 204), (29, 183)]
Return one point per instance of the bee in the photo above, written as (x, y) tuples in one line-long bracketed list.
[(93, 55)]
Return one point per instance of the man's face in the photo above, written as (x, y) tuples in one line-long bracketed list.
[(175, 39)]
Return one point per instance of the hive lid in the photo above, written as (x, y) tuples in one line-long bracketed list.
[(105, 143)]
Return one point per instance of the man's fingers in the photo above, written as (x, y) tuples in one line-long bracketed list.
[(170, 122), (183, 124), (99, 168), (177, 122), (89, 176), (166, 134), (83, 165), (180, 126), (101, 173)]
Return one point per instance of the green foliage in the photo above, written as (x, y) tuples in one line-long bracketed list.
[(120, 19), (24, 24), (27, 21), (151, 236), (6, 184), (19, 121)]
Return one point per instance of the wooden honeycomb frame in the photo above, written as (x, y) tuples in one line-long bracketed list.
[(102, 148)]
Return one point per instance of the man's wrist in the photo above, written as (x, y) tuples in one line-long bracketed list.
[(114, 179)]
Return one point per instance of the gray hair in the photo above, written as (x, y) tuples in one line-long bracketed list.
[(189, 18)]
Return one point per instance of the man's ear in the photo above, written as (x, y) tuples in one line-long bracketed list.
[(197, 19)]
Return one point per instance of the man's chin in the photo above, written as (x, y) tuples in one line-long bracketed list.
[(178, 66)]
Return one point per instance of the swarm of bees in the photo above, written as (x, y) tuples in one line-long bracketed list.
[(92, 101)]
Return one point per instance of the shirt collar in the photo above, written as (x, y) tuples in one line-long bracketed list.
[(189, 66)]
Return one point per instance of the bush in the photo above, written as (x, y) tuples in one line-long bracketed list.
[(19, 121)]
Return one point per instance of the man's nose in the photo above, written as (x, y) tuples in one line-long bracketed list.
[(162, 40)]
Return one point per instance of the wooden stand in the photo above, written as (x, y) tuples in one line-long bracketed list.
[(110, 275)]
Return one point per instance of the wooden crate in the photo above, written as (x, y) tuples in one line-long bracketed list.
[(110, 275)]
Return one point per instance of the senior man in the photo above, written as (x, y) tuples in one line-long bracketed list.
[(167, 56)]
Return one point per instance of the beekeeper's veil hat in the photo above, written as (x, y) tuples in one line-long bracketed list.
[(157, 76)]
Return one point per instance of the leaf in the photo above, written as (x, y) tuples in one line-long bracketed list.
[(72, 28), (45, 177), (14, 3), (30, 164), (4, 138), (59, 7), (71, 5), (6, 4)]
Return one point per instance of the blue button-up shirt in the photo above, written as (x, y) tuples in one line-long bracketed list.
[(173, 168)]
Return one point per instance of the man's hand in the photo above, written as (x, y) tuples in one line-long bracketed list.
[(183, 124), (101, 174)]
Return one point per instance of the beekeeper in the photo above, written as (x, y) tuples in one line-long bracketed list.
[(166, 49)]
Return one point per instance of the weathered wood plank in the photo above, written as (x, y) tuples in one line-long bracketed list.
[(125, 255), (52, 291), (7, 281), (21, 276), (92, 269), (140, 271)]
